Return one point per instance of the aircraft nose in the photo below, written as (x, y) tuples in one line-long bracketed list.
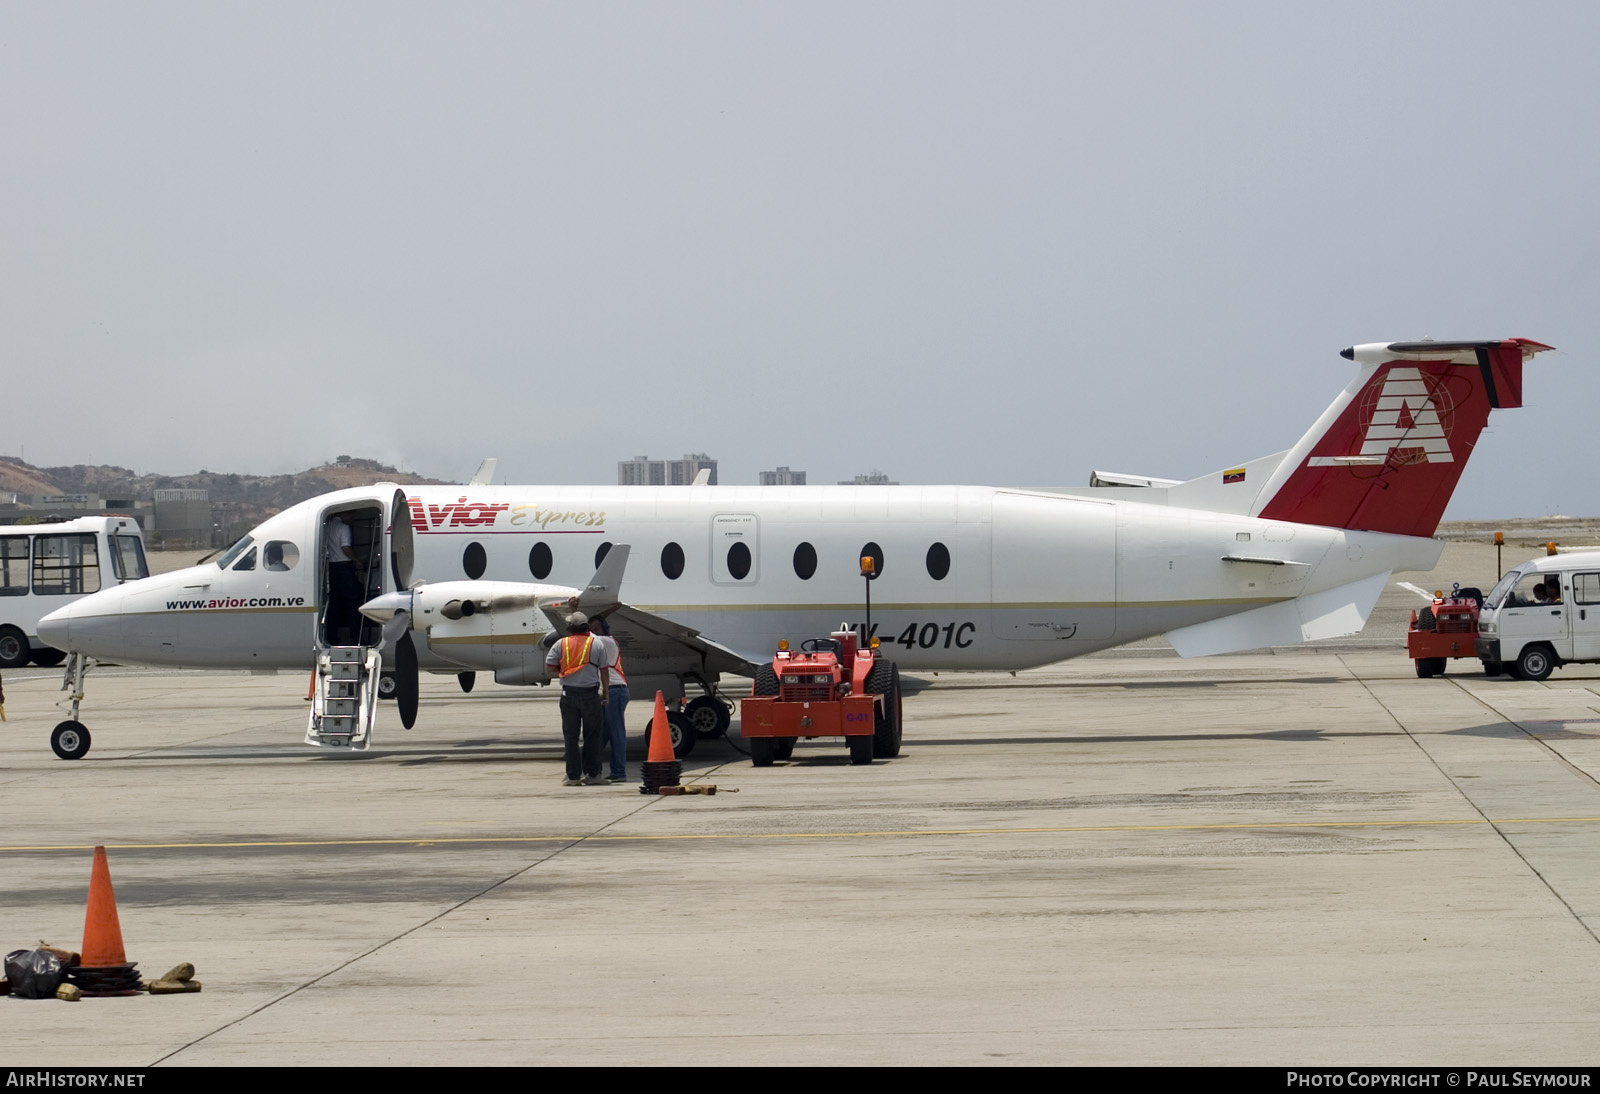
[(55, 629), (89, 626)]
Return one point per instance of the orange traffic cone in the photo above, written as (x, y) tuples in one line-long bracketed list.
[(660, 734), (661, 766), (104, 968)]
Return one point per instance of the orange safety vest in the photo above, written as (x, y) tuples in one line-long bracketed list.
[(575, 653)]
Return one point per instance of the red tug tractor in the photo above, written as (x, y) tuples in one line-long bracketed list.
[(1444, 629), (831, 688)]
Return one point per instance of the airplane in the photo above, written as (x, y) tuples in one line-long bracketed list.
[(1287, 548)]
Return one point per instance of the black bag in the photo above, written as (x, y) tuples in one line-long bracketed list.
[(34, 974)]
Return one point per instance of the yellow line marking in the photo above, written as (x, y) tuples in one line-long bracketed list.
[(424, 841)]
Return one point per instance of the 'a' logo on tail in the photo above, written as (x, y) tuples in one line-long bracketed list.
[(1406, 416)]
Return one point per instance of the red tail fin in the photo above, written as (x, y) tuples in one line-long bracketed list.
[(1387, 455)]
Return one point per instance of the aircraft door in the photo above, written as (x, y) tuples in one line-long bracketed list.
[(1053, 567), (353, 542), (402, 544)]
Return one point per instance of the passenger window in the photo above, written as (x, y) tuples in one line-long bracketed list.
[(247, 561), (540, 561), (280, 555), (672, 561), (67, 565), (1586, 588), (14, 559), (805, 561), (474, 561), (739, 561), (938, 561), (600, 553)]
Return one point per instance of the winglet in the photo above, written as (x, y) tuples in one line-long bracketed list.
[(604, 590)]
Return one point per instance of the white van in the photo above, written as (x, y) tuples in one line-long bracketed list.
[(1538, 617), (43, 566)]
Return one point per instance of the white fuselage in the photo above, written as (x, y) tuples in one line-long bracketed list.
[(968, 577)]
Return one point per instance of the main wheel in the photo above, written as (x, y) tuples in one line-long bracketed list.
[(48, 657), (466, 680), (884, 680), (70, 740), (860, 748), (761, 751), (682, 731), (1535, 662), (782, 747), (386, 685), (13, 648), (709, 715)]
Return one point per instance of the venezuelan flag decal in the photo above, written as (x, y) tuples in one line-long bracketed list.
[(1236, 475)]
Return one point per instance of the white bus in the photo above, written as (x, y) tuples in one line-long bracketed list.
[(43, 566)]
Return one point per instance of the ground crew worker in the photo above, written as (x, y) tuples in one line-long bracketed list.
[(616, 728), (584, 666)]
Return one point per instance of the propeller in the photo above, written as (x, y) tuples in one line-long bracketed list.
[(393, 610)]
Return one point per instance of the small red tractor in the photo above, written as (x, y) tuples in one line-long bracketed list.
[(831, 688), (1444, 629)]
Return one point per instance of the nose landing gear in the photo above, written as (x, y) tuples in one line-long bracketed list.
[(70, 739)]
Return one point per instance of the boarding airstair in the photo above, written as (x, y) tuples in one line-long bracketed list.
[(344, 697)]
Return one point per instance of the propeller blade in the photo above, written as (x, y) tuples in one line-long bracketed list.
[(406, 688)]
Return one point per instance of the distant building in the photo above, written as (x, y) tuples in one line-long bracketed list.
[(68, 501), (783, 477), (643, 471), (182, 518), (871, 478)]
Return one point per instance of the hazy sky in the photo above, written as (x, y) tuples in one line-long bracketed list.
[(995, 243)]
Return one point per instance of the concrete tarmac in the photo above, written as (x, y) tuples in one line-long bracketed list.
[(1302, 856)]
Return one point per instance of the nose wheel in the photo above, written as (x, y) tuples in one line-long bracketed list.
[(70, 740)]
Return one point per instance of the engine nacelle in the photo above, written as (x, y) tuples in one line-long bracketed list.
[(482, 626)]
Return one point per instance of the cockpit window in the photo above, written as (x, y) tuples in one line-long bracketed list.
[(247, 561), (280, 555), (233, 552)]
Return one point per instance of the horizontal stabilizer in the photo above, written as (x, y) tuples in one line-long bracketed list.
[(1331, 613), (1116, 478)]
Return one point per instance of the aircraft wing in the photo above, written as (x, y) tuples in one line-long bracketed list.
[(651, 644)]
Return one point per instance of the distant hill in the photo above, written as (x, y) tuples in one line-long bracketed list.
[(240, 501)]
